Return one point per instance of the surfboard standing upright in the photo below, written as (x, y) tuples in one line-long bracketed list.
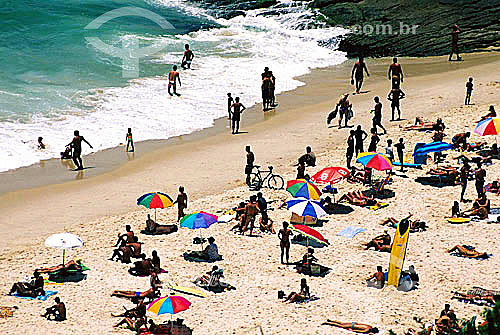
[(398, 252)]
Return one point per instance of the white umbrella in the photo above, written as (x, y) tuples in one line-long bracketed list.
[(64, 241)]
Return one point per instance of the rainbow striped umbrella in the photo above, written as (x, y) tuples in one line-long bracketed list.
[(303, 188), (489, 126), (155, 200), (374, 160), (169, 305), (309, 233), (198, 220)]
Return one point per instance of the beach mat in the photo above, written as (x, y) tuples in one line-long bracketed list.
[(378, 206), (7, 312), (74, 277), (199, 260), (40, 297), (479, 259), (351, 231)]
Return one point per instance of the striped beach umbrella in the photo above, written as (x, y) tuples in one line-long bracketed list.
[(489, 126), (169, 305), (374, 160), (303, 188), (198, 220), (305, 207), (155, 200), (309, 233)]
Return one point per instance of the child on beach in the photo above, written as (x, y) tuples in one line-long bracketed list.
[(130, 141), (470, 86), (389, 150), (230, 102)]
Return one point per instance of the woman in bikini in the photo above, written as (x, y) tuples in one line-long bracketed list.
[(302, 296), (353, 326)]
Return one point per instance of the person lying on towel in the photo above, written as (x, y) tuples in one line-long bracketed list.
[(71, 265), (468, 251), (353, 326), (33, 289), (380, 243)]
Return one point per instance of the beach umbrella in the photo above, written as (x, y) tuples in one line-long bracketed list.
[(155, 200), (64, 241), (309, 233), (490, 126), (374, 160), (305, 207), (169, 305), (330, 175), (303, 188), (198, 220), (432, 147)]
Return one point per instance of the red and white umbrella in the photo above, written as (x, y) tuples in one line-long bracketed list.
[(330, 175)]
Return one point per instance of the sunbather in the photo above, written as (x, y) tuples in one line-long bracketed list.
[(491, 114), (491, 299), (353, 326), (29, 289), (494, 187), (209, 254), (71, 265), (358, 198), (266, 225), (132, 324), (251, 211), (156, 229), (480, 208), (356, 176), (380, 243), (138, 311), (56, 312), (302, 296), (152, 293), (125, 238), (122, 253), (211, 281), (377, 279), (142, 267), (136, 247), (467, 251)]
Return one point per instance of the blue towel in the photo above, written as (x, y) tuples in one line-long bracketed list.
[(351, 231), (40, 297)]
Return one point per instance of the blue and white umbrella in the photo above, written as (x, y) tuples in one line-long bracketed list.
[(432, 147), (305, 207)]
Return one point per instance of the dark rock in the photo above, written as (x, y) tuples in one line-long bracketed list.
[(230, 14), (325, 3)]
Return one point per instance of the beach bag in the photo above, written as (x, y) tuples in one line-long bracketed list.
[(315, 270), (281, 294)]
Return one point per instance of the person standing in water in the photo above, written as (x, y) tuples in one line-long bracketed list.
[(395, 73), (357, 72), (237, 108), (230, 102), (187, 58), (76, 145), (173, 77), (455, 31), (130, 141)]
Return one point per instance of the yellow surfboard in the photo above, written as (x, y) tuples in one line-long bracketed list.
[(458, 220), (398, 251), (188, 290)]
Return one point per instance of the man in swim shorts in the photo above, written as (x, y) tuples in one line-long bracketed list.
[(284, 236), (173, 77), (237, 108), (455, 31), (357, 72), (187, 58), (76, 145), (395, 73)]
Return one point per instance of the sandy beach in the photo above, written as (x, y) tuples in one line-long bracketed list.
[(210, 166)]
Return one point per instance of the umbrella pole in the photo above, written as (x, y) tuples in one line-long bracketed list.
[(155, 214), (201, 238), (64, 254)]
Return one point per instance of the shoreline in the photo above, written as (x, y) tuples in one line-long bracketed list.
[(323, 86)]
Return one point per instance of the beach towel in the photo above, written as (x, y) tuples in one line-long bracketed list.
[(456, 254), (493, 218), (40, 297), (458, 220), (495, 211), (189, 258), (7, 312), (225, 218), (378, 205), (351, 231)]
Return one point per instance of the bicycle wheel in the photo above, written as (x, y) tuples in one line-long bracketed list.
[(255, 181), (275, 182)]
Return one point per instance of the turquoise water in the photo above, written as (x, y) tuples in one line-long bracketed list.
[(46, 58)]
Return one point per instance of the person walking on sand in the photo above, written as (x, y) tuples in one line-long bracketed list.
[(469, 86), (357, 72), (230, 102), (76, 145), (130, 141), (395, 95), (344, 105), (187, 58), (400, 146), (455, 31), (377, 118), (182, 203), (249, 165), (238, 109), (395, 73), (173, 77), (360, 135), (350, 148), (284, 237)]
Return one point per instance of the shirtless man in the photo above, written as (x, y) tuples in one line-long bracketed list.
[(353, 326), (395, 73), (187, 58), (173, 77), (379, 278), (455, 31), (395, 96), (344, 105), (251, 211), (463, 251), (58, 311), (357, 72), (76, 145), (136, 247), (237, 108), (182, 202), (128, 237), (380, 243), (249, 165), (284, 237)]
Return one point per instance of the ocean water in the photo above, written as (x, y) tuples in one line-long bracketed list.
[(53, 81)]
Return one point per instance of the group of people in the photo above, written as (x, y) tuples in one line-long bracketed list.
[(267, 87)]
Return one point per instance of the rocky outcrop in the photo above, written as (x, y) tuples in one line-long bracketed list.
[(419, 27), (231, 8)]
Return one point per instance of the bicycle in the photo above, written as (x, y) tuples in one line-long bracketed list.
[(274, 181)]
